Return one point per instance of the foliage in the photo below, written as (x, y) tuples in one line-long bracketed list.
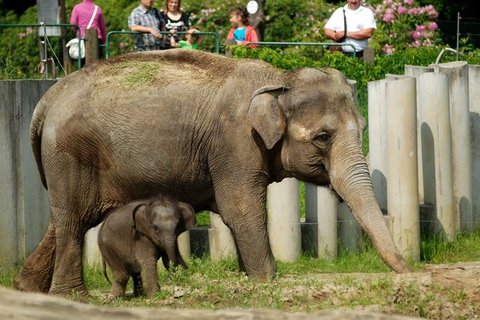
[(402, 24)]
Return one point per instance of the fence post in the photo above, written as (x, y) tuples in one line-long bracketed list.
[(321, 209), (283, 207), (91, 251), (91, 44), (416, 71), (436, 147), (402, 182), (349, 230), (183, 242), (377, 130), (460, 121), (222, 244), (474, 107)]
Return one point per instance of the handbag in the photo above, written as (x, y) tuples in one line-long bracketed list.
[(76, 46)]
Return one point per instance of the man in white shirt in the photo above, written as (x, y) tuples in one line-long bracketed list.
[(351, 24)]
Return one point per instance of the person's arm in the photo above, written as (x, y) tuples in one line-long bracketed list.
[(102, 26), (361, 34), (330, 34), (139, 28)]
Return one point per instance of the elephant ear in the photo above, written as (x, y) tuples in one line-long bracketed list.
[(266, 115), (188, 215), (140, 218)]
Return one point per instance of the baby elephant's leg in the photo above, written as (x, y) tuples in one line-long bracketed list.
[(137, 284), (119, 284), (149, 276)]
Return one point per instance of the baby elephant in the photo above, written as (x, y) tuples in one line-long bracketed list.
[(133, 238)]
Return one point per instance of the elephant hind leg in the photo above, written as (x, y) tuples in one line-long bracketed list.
[(37, 271), (68, 273)]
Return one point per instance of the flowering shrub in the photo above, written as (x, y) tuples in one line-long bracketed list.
[(401, 24)]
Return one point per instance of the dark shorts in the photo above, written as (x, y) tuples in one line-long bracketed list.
[(358, 54)]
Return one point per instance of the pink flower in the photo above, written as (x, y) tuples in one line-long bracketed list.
[(402, 10), (409, 2), (432, 26), (389, 11), (388, 17), (387, 2), (388, 49), (420, 28), (413, 11), (416, 35)]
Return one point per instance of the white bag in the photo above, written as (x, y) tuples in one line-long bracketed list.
[(76, 48)]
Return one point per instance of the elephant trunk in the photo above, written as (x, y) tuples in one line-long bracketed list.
[(170, 248), (351, 179)]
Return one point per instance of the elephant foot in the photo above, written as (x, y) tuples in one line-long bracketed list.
[(29, 280), (79, 293)]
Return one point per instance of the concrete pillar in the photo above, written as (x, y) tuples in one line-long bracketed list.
[(321, 208), (91, 253), (436, 146), (402, 182), (377, 129), (416, 71), (283, 207), (474, 107), (222, 244), (349, 230), (183, 242), (460, 120)]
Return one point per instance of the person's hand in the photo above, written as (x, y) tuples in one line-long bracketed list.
[(154, 32), (172, 31), (339, 35)]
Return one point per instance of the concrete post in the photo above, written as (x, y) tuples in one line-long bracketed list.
[(349, 230), (474, 107), (91, 252), (416, 71), (222, 244), (402, 182), (377, 129), (183, 242), (460, 120), (321, 208), (436, 146), (283, 207)]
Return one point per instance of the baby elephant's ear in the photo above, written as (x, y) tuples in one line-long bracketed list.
[(188, 215), (139, 218), (266, 115)]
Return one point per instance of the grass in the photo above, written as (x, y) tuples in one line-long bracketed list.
[(358, 281)]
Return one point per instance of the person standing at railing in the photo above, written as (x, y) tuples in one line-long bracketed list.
[(174, 19), (146, 19), (351, 24), (241, 32), (85, 12)]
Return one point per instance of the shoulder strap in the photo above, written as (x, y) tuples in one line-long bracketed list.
[(93, 17), (345, 22)]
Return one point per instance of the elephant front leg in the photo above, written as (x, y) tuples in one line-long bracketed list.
[(243, 211), (149, 276)]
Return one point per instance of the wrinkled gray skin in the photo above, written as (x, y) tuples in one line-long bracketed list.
[(208, 130), (133, 238)]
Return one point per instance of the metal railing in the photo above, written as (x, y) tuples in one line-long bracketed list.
[(112, 33), (306, 44)]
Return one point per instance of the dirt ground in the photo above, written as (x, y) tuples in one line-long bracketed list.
[(463, 279)]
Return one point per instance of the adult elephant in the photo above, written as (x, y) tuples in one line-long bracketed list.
[(208, 130)]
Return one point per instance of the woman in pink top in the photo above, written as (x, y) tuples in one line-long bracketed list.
[(81, 15)]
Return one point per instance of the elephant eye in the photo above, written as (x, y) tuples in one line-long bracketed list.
[(322, 138)]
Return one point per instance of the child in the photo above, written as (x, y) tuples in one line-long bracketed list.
[(242, 32), (192, 40)]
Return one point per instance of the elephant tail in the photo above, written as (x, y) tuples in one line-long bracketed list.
[(36, 128), (104, 270)]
